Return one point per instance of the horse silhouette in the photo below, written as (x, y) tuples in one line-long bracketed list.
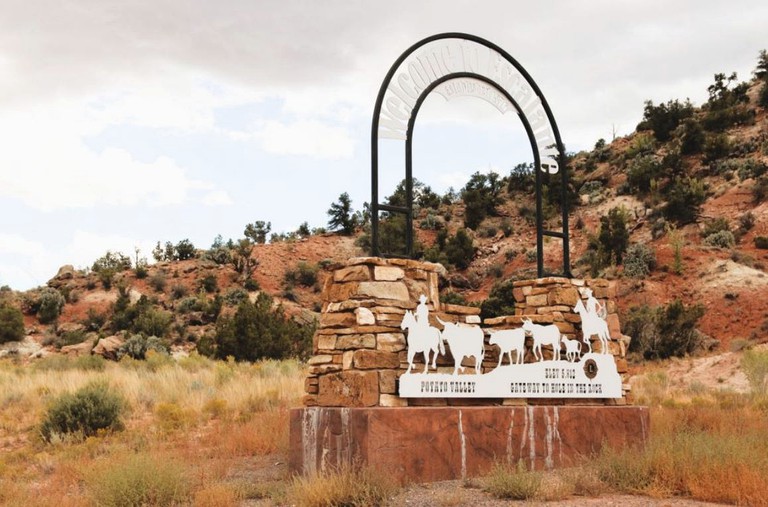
[(543, 335), (591, 325)]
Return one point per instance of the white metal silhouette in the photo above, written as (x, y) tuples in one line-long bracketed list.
[(593, 325), (464, 341), (508, 340), (422, 338), (543, 335), (577, 375), (572, 349)]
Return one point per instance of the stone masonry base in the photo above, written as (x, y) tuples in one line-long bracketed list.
[(423, 444)]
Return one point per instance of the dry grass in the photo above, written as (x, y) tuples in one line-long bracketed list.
[(189, 425), (346, 486), (207, 431)]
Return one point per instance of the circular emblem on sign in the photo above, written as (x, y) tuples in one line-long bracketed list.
[(590, 368)]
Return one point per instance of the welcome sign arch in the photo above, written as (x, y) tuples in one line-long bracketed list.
[(457, 64)]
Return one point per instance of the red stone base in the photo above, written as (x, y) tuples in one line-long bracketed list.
[(422, 444)]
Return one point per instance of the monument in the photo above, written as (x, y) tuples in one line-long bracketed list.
[(424, 390)]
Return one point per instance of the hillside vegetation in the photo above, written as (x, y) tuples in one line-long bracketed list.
[(677, 212)]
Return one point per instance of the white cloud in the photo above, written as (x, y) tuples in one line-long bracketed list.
[(217, 198), (47, 165), (305, 137)]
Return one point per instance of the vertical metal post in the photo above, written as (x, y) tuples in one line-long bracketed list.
[(409, 192)]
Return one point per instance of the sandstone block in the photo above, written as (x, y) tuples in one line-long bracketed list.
[(536, 300), (346, 359), (320, 359), (388, 381), (567, 296), (472, 319), (518, 294), (460, 310), (390, 400), (371, 359), (542, 310), (349, 389), (384, 290), (352, 274), (356, 341), (341, 291), (417, 274), (326, 342), (390, 342), (324, 368), (388, 273), (613, 326), (310, 386), (345, 319), (364, 317)]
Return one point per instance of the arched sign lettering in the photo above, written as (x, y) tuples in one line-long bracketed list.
[(454, 65)]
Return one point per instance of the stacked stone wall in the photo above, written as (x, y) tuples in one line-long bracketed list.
[(360, 349)]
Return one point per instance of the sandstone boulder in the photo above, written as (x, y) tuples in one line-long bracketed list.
[(108, 347)]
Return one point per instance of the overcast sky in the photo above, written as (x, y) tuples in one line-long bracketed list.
[(127, 122)]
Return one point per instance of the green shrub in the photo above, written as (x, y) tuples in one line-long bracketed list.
[(714, 226), (684, 200), (342, 216), (720, 239), (305, 274), (157, 281), (716, 147), (11, 324), (235, 296), (664, 331), (506, 227), (761, 242), (500, 300), (73, 337), (642, 171), (693, 137), (257, 331), (453, 298), (83, 413), (108, 265), (184, 250), (209, 283), (51, 303), (760, 189), (137, 346), (152, 322), (481, 195), (460, 249), (190, 304), (139, 480), (642, 144), (516, 483), (639, 261), (251, 285), (754, 363), (664, 118), (178, 291), (611, 242)]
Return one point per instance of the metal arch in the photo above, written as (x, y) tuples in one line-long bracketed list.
[(408, 210)]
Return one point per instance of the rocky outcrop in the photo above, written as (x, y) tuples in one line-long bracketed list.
[(108, 347)]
